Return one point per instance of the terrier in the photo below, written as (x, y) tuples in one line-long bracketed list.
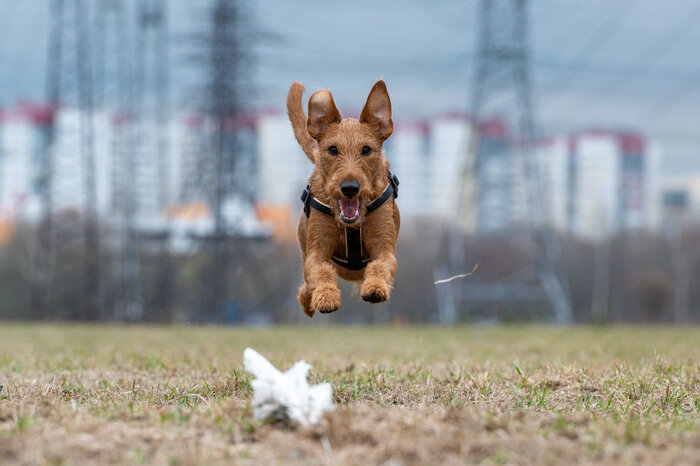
[(350, 221)]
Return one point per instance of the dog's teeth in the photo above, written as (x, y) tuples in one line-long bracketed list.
[(349, 208)]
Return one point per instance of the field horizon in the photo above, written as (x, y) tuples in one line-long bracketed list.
[(536, 394)]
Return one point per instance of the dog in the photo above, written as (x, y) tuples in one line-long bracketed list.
[(350, 221)]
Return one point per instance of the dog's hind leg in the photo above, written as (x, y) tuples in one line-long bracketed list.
[(305, 299)]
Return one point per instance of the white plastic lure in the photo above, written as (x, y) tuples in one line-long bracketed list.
[(288, 393)]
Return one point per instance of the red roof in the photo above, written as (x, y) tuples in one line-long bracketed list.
[(194, 120), (630, 143), (493, 128), (420, 127), (119, 118), (39, 114)]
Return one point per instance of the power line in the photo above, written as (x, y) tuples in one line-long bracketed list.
[(605, 31), (657, 49), (666, 103)]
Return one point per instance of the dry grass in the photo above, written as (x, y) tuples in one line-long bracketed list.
[(125, 395)]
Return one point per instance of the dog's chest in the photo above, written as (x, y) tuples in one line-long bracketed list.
[(350, 252)]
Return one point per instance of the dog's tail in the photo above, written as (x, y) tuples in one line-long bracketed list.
[(298, 119)]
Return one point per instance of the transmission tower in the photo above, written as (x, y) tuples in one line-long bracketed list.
[(43, 256), (222, 54), (152, 113), (115, 94), (502, 89), (152, 81), (67, 170)]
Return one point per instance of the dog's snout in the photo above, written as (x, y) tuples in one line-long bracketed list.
[(350, 188)]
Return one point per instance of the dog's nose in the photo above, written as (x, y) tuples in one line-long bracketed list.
[(350, 188)]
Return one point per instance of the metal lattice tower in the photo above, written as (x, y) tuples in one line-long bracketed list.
[(152, 85), (223, 107), (152, 113), (67, 171), (502, 89), (115, 92), (222, 55)]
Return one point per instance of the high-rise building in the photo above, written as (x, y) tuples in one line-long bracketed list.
[(613, 183), (592, 183), (553, 167), (499, 186), (407, 152), (448, 144), (187, 171), (640, 202), (282, 167), (18, 146)]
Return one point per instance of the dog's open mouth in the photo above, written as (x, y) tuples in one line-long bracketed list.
[(349, 210)]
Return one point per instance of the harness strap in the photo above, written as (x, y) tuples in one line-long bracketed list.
[(391, 189), (353, 251), (310, 201)]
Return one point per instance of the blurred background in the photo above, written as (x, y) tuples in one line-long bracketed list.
[(148, 171)]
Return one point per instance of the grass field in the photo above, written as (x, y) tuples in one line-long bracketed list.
[(416, 395)]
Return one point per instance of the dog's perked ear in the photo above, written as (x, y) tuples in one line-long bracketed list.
[(377, 111), (322, 114)]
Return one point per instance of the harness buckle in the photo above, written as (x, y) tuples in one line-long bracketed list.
[(393, 179), (306, 199)]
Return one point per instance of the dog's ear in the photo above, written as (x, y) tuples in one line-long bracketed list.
[(377, 111), (322, 114)]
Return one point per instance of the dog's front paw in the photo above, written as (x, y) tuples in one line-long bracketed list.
[(325, 299), (375, 291)]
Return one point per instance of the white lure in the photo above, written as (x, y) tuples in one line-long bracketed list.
[(286, 394)]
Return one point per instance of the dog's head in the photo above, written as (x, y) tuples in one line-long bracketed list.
[(350, 159)]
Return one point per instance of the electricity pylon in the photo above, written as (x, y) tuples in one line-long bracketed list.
[(115, 89), (502, 89), (222, 54), (66, 172), (152, 114)]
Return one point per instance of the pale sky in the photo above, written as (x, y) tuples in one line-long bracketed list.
[(628, 64)]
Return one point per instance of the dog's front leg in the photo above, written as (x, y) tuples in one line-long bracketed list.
[(379, 277), (323, 278)]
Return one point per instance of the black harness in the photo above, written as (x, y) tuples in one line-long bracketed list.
[(353, 236)]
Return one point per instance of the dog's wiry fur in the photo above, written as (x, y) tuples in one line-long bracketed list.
[(321, 236)]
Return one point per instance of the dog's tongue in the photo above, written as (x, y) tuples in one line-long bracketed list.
[(349, 207)]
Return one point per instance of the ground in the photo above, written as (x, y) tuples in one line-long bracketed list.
[(411, 395)]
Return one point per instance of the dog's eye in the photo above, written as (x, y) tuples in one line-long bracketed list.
[(366, 150), (333, 150)]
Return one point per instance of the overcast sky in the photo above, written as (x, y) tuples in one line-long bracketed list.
[(627, 64)]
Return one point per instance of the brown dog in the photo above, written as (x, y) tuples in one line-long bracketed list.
[(350, 221)]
